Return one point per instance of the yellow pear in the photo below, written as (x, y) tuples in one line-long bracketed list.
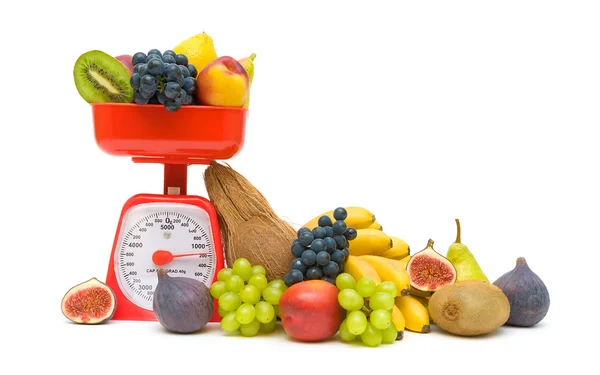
[(248, 64)]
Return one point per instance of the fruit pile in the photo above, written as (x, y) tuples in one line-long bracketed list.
[(189, 74)]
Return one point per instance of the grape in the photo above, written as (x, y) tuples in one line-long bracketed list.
[(172, 90), (329, 279), (322, 258), (181, 59), (297, 249), (259, 270), (218, 289), (324, 221), (189, 85), (138, 58), (346, 254), (229, 301), (297, 264), (356, 322), (161, 97), (172, 104), (309, 257), (303, 230), (187, 100), (340, 241), (156, 66), (380, 300), (272, 295), (268, 327), (380, 318), (250, 294), (306, 238), (193, 70), (388, 287), (264, 312), (224, 274), (184, 71), (329, 231), (389, 335), (293, 277), (314, 273), (135, 80), (319, 232), (235, 283), (155, 52), (169, 59), (169, 53), (277, 311), (259, 281), (172, 73), (277, 284), (143, 70), (345, 334), (371, 336), (350, 300), (337, 256), (139, 99), (339, 227), (331, 269), (245, 313), (242, 268), (229, 322), (345, 281), (366, 287), (222, 312), (250, 329), (318, 245), (350, 234), (340, 213), (330, 244)]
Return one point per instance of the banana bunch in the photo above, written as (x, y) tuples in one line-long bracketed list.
[(410, 311), (370, 237)]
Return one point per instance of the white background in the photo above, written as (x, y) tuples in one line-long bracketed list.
[(421, 112)]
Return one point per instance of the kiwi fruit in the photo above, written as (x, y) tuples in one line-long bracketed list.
[(469, 308), (101, 78)]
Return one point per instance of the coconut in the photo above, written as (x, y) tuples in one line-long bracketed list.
[(250, 228)]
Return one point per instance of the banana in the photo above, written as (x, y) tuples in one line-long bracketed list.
[(370, 242), (415, 314), (375, 225), (399, 322), (359, 268), (399, 250), (389, 270), (424, 300), (419, 293), (358, 218)]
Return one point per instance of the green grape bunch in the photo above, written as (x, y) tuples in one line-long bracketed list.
[(369, 310), (247, 301)]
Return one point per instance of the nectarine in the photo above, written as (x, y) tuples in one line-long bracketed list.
[(223, 82)]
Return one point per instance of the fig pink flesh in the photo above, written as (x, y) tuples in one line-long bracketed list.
[(429, 272), (89, 303)]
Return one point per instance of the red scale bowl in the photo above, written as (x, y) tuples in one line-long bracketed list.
[(192, 133)]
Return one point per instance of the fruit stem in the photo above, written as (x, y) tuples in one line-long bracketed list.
[(457, 231), (521, 261), (430, 243), (253, 56), (161, 273)]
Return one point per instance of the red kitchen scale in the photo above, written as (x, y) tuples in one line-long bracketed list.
[(172, 230)]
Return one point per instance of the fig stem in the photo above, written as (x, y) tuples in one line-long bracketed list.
[(457, 231), (430, 243), (161, 273)]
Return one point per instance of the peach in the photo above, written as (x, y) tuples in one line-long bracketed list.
[(223, 82)]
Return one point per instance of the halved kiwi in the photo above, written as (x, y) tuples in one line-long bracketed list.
[(100, 77)]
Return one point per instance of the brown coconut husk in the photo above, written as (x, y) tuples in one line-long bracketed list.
[(250, 228)]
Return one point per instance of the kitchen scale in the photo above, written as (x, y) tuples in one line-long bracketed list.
[(172, 230)]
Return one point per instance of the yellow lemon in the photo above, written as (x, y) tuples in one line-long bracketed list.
[(199, 50)]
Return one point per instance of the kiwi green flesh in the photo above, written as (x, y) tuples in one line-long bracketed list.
[(101, 78)]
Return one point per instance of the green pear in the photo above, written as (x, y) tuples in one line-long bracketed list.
[(464, 261), (248, 64)]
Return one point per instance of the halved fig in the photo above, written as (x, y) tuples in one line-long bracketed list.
[(428, 270), (91, 302)]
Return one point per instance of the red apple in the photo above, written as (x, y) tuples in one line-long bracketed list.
[(310, 310), (126, 60)]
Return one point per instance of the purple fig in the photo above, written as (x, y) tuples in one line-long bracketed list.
[(527, 294)]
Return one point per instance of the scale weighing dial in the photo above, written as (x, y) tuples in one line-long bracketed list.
[(171, 235)]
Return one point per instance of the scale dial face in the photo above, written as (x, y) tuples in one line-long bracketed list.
[(175, 227)]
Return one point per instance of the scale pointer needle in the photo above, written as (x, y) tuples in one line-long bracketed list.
[(162, 257)]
